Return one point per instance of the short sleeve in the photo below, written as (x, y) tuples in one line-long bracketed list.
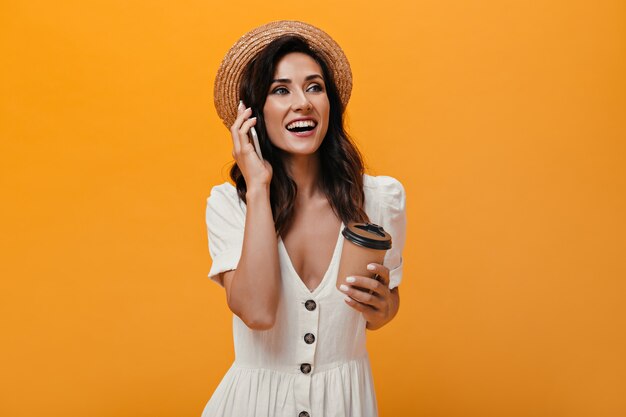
[(225, 220), (393, 220)]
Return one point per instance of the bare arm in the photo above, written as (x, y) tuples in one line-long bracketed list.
[(252, 289)]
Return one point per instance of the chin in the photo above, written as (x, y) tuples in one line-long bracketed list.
[(298, 150), (302, 148), (302, 152)]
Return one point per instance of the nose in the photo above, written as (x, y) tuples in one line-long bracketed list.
[(301, 102)]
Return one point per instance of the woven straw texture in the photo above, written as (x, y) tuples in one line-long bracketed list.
[(228, 78)]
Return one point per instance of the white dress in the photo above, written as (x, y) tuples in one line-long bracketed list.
[(313, 362)]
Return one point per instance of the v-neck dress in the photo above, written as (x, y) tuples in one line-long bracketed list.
[(313, 362)]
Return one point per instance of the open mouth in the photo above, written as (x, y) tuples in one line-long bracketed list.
[(301, 126)]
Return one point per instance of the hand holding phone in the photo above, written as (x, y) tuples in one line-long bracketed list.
[(244, 134)]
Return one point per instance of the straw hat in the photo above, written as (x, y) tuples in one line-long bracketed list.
[(226, 88)]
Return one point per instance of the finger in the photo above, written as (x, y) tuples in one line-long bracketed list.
[(247, 147), (236, 143), (234, 129), (371, 300), (244, 131), (380, 270), (359, 306), (242, 115), (245, 127), (368, 284)]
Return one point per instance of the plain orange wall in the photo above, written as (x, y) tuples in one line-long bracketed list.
[(505, 120)]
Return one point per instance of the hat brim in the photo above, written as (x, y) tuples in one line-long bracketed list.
[(228, 78)]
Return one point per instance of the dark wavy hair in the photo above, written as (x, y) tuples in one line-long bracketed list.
[(341, 163)]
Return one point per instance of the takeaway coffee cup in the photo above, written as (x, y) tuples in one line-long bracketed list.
[(364, 243)]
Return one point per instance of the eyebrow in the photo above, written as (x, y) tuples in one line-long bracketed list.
[(287, 80)]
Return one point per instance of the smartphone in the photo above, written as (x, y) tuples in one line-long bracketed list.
[(255, 141)]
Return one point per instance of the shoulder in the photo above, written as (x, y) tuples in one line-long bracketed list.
[(225, 188), (388, 190), (225, 196)]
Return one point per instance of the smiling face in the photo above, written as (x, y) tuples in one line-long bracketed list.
[(296, 110)]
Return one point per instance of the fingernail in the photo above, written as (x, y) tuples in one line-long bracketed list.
[(240, 104), (371, 267), (348, 299), (343, 287), (350, 279)]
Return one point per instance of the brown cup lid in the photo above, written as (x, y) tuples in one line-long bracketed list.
[(368, 235)]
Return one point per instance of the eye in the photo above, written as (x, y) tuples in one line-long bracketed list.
[(280, 91), (315, 88)]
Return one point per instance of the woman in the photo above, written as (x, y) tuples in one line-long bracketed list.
[(275, 237)]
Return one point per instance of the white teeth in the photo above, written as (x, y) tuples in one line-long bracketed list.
[(301, 123)]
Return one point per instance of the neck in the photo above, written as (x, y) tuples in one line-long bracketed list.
[(305, 171)]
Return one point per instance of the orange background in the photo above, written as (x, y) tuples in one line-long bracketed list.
[(504, 120)]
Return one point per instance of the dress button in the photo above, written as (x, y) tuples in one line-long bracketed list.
[(303, 414), (305, 368), (310, 305), (309, 338)]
